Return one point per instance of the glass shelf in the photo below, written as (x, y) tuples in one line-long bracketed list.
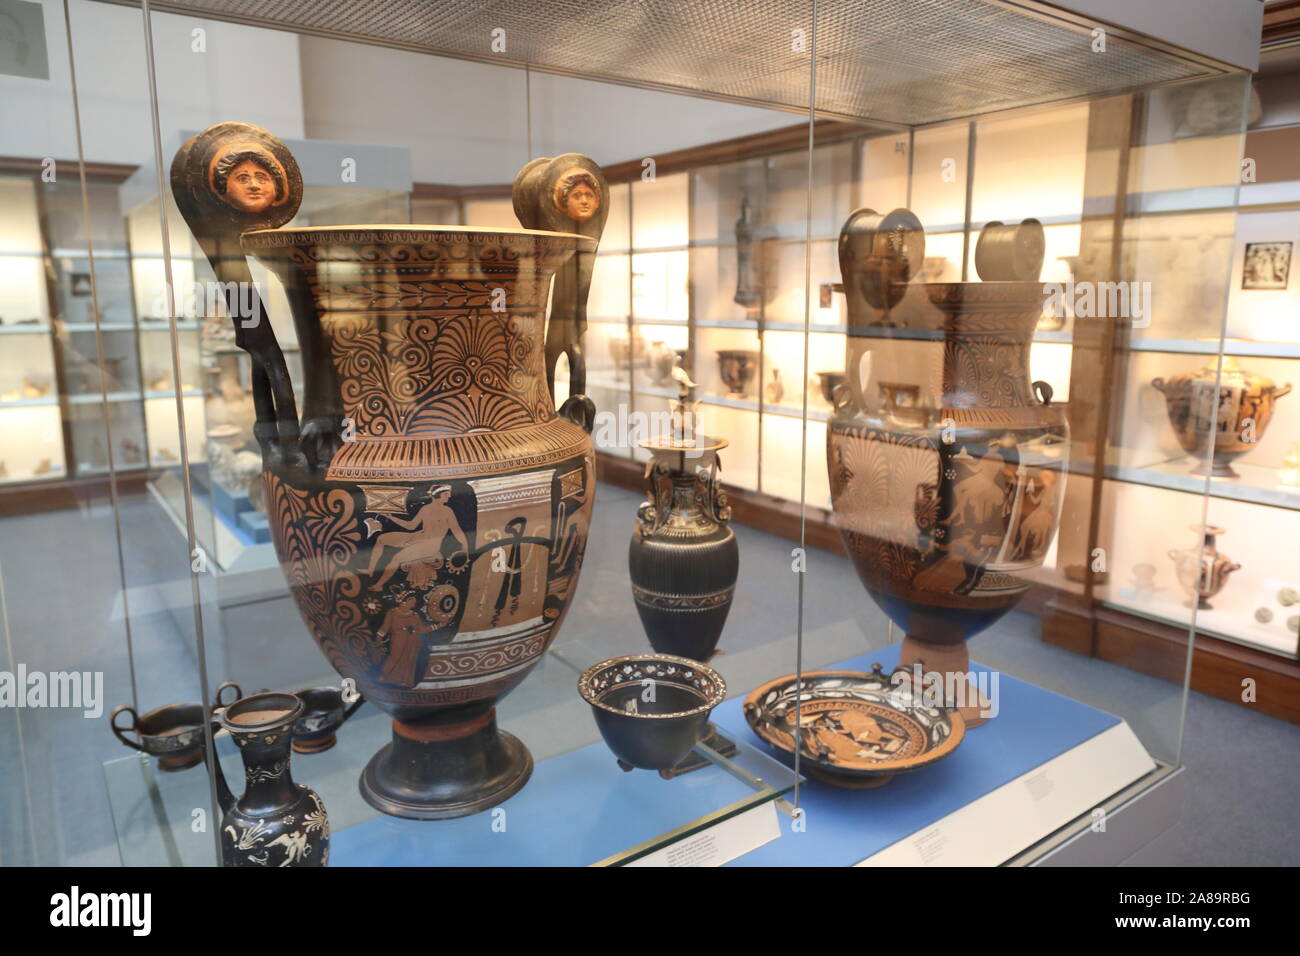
[(103, 327), (1167, 605), (1258, 484), (93, 398), (1240, 347)]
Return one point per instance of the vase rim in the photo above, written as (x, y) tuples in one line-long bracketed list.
[(384, 229), (290, 707), (715, 697)]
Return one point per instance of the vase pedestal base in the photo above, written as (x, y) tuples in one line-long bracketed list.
[(952, 661), (439, 771)]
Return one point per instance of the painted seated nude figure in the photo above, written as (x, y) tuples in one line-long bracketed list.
[(421, 542)]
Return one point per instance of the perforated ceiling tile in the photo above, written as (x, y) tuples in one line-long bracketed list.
[(895, 61)]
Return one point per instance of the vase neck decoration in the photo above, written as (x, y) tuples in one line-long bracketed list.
[(685, 411), (264, 735), (682, 475), (566, 193)]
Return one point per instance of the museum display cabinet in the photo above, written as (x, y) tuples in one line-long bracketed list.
[(587, 433)]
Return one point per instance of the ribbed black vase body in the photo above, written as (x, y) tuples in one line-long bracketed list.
[(683, 558)]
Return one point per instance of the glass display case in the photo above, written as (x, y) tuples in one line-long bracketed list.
[(678, 429)]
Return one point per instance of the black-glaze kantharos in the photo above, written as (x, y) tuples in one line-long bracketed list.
[(324, 711), (172, 733), (650, 707), (856, 729)]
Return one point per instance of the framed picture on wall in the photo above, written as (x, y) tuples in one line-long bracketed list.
[(1267, 265)]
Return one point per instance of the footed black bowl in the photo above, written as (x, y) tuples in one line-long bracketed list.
[(650, 708)]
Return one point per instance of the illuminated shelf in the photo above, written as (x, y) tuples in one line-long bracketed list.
[(95, 398), (108, 254), (1242, 347), (151, 325), (640, 321), (103, 327), (23, 479), (168, 393), (1257, 484)]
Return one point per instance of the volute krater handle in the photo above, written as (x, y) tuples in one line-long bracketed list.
[(230, 179), (1158, 383), (1010, 253), (566, 193), (1283, 391), (120, 732), (878, 255)]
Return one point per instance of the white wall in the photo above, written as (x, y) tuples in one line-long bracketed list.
[(467, 122), (245, 73)]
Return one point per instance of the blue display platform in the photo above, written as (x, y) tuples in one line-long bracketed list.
[(579, 808), (844, 827), (255, 525)]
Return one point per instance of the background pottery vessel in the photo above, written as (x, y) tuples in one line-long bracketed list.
[(431, 514), (683, 558), (625, 351), (1010, 253), (276, 822), (324, 712), (940, 513), (1242, 411), (827, 383), (749, 279), (651, 708), (775, 390), (173, 733), (659, 362), (1202, 569), (737, 368)]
